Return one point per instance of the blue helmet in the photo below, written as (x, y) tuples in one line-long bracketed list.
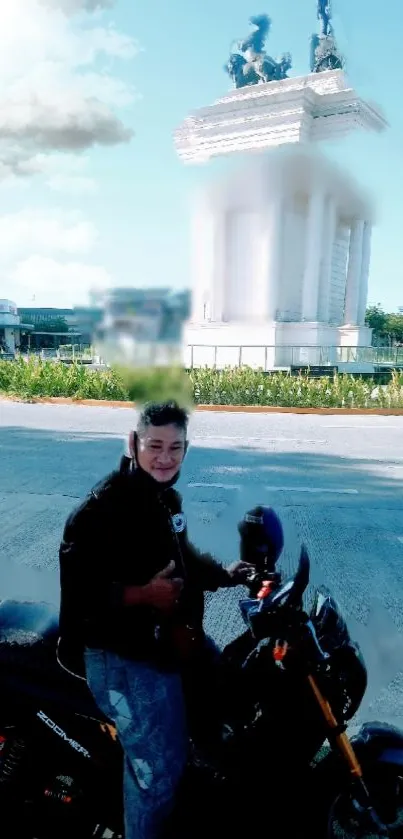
[(262, 538)]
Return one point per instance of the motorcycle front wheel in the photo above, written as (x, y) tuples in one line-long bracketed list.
[(347, 821)]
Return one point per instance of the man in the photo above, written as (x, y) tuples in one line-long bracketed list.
[(132, 602)]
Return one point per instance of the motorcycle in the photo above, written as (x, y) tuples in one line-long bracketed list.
[(292, 682)]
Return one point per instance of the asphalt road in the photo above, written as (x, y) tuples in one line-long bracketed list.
[(336, 482)]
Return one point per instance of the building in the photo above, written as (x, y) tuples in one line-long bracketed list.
[(86, 320), (142, 323), (52, 328), (40, 316), (12, 327), (136, 310), (80, 322)]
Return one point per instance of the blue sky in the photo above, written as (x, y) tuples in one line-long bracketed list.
[(80, 205)]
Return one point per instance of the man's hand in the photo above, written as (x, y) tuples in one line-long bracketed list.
[(163, 591), (239, 571)]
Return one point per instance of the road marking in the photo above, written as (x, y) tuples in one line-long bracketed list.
[(215, 486), (373, 427), (245, 439), (313, 490), (316, 490)]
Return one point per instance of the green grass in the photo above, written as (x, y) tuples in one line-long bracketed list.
[(234, 386), (244, 386)]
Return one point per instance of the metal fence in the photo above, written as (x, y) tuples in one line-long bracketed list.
[(267, 357), (66, 352)]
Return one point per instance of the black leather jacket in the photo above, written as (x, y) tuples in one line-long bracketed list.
[(125, 531)]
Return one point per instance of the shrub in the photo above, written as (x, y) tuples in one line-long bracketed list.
[(232, 386)]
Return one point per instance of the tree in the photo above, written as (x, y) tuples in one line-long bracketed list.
[(387, 328), (394, 328), (377, 320)]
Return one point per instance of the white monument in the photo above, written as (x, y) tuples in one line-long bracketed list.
[(281, 247)]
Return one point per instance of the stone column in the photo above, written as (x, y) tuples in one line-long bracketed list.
[(208, 249), (219, 246), (366, 259), (202, 259), (268, 274), (327, 260), (9, 338), (313, 254), (354, 274)]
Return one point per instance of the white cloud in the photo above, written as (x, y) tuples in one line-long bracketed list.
[(73, 6), (65, 173), (52, 97), (30, 230), (34, 38), (59, 120), (37, 258), (43, 281), (72, 185), (60, 95)]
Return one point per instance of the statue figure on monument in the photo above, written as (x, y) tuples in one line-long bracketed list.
[(324, 52), (324, 15), (249, 64), (284, 66), (235, 68)]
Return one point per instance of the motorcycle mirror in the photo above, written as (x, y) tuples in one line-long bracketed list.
[(301, 578), (291, 593)]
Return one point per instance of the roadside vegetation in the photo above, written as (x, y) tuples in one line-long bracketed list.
[(28, 380)]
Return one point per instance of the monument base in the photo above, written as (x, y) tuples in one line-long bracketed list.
[(276, 346), (310, 108)]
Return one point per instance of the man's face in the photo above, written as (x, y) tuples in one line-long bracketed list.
[(161, 450)]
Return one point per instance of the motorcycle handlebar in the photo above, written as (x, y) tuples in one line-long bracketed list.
[(288, 594)]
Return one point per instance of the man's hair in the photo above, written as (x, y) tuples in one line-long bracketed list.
[(163, 413)]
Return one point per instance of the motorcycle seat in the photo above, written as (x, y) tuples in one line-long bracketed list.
[(28, 659)]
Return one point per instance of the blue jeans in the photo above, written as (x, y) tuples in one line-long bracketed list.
[(147, 706)]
